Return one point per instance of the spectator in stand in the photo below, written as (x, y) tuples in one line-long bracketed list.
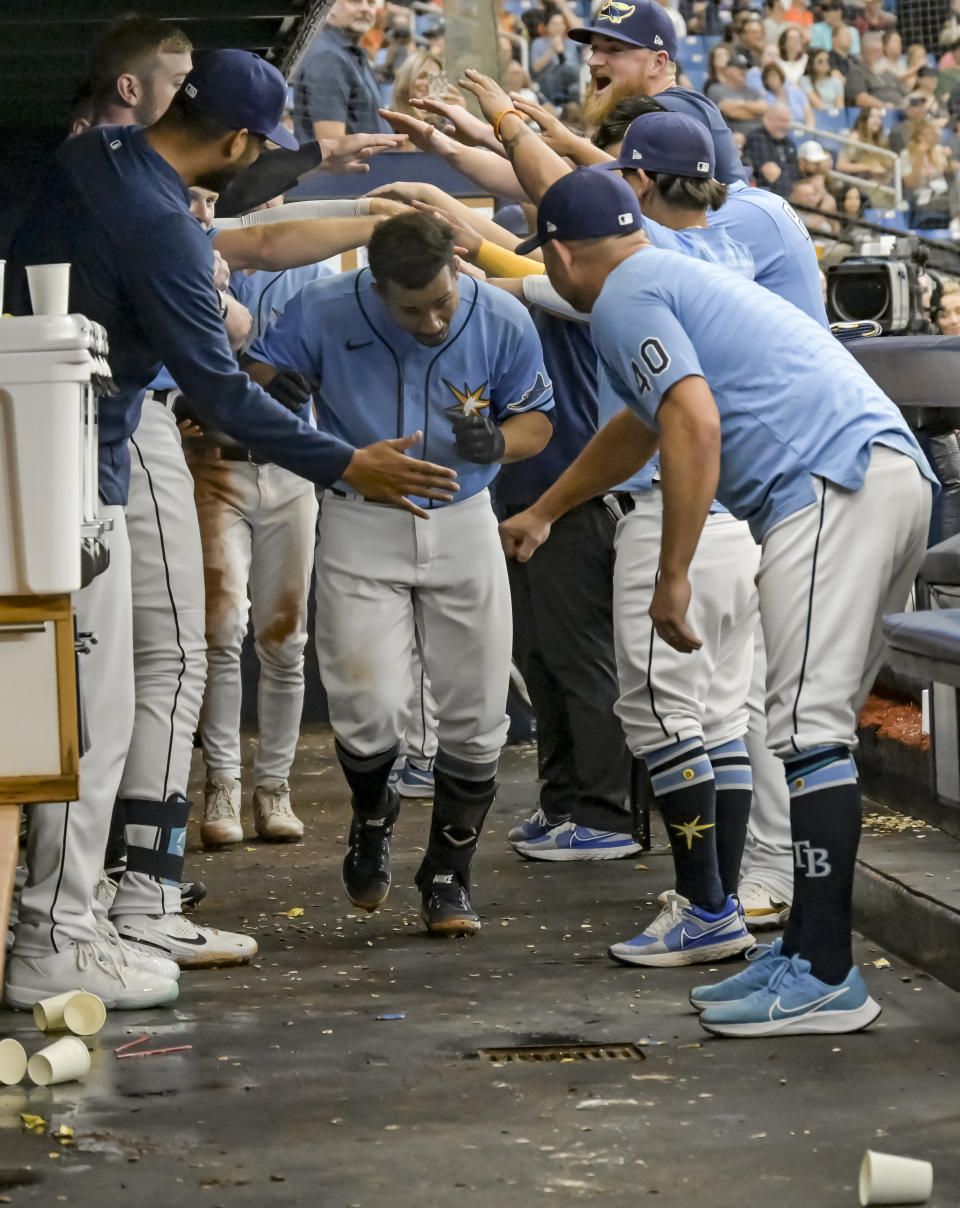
[(813, 160), (927, 80), (841, 59), (950, 30), (751, 36), (916, 58), (873, 19), (777, 89), (555, 63), (930, 181), (853, 202), (865, 86), (515, 79), (742, 107), (951, 137), (874, 167), (808, 195), (914, 112), (892, 62), (821, 35), (799, 13), (775, 20), (793, 57), (772, 151), (420, 76), (673, 12), (947, 312), (335, 91), (822, 85), (716, 62)]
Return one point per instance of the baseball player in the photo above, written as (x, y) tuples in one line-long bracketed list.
[(406, 339), (821, 465), (115, 208), (257, 525)]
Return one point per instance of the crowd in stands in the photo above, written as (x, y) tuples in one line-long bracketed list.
[(881, 112)]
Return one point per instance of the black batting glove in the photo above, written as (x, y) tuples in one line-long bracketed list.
[(290, 389), (478, 439)]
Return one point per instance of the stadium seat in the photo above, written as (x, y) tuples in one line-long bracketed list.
[(936, 233), (696, 73), (895, 219), (832, 120)]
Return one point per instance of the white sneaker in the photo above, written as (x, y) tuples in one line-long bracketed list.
[(135, 956), (760, 908), (191, 946), (90, 966), (273, 818), (221, 811)]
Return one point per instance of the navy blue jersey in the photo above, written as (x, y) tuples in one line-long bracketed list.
[(143, 267)]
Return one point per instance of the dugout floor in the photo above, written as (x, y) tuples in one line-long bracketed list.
[(295, 1093)]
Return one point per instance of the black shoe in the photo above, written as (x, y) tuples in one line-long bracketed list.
[(192, 894), (366, 866), (446, 907)]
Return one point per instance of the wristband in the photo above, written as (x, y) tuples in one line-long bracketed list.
[(500, 116)]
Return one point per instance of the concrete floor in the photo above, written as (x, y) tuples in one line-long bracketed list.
[(296, 1093)]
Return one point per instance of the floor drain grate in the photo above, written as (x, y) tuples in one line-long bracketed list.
[(563, 1052)]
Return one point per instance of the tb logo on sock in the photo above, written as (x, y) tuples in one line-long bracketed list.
[(811, 861)]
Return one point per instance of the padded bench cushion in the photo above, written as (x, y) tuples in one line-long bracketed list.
[(933, 635), (942, 563)]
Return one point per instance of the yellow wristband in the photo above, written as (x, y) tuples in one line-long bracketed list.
[(500, 116)]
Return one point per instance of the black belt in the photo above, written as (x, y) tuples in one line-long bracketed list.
[(625, 501)]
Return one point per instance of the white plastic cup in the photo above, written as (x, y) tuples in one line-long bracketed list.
[(66, 1060), (888, 1179), (49, 288), (13, 1061), (76, 1010)]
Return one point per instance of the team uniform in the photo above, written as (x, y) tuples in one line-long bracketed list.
[(257, 524), (820, 464), (386, 579), (141, 266)]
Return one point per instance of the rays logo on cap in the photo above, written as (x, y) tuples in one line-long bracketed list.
[(625, 219), (616, 12)]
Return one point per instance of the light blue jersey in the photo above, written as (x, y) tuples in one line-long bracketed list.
[(266, 292), (785, 261), (794, 405), (375, 381), (710, 244)]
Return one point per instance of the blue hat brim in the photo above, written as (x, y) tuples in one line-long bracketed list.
[(283, 138), (583, 32), (529, 245)]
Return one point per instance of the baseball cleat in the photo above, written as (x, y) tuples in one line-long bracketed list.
[(795, 1003), (190, 945), (760, 908), (221, 811), (273, 817), (366, 866), (135, 956), (446, 907), (761, 960), (90, 965), (412, 781), (192, 894), (568, 841), (683, 934)]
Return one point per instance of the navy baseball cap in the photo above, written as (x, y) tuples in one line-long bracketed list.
[(642, 23), (242, 92), (667, 142), (584, 205)]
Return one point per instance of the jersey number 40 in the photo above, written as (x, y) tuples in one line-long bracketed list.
[(655, 358)]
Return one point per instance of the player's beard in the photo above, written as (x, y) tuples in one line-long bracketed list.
[(598, 107)]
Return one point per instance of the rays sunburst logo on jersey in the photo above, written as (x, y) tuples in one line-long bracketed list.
[(471, 401), (616, 12)]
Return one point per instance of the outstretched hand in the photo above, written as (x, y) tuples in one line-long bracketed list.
[(349, 153), (491, 97), (469, 128), (423, 136), (382, 472)]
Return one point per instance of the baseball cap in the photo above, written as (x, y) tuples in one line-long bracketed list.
[(667, 142), (740, 58), (915, 98), (811, 150), (642, 23), (585, 204), (241, 91)]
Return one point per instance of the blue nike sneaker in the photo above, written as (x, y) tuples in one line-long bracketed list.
[(795, 1003), (534, 827), (683, 934), (412, 781), (754, 977), (567, 841)]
